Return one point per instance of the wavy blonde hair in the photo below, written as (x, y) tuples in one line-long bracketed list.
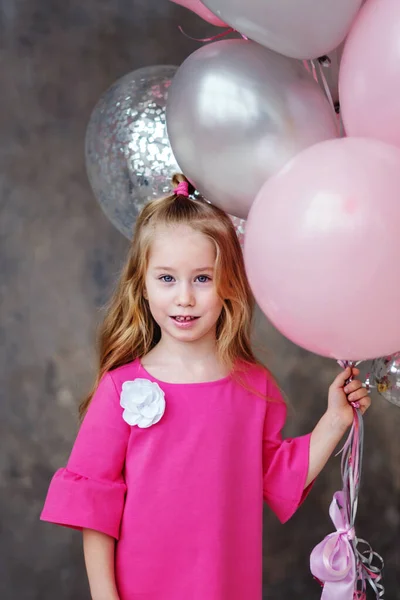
[(129, 330)]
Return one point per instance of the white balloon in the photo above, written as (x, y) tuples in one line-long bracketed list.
[(297, 28)]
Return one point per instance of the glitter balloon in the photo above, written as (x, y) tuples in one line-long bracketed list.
[(128, 155), (240, 226), (385, 377)]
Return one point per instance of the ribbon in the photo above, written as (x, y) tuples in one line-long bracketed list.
[(316, 68), (209, 39), (333, 561), (338, 562)]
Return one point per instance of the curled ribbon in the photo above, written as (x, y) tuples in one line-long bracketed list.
[(332, 561)]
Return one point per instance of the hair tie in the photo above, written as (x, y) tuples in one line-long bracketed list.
[(182, 189)]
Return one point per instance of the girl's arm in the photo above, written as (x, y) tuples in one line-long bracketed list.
[(99, 550), (335, 422)]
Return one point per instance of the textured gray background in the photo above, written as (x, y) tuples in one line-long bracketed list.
[(59, 259)]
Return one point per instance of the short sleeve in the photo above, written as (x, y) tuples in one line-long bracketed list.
[(285, 462), (90, 491)]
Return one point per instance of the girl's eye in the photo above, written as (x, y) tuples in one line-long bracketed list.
[(203, 278), (166, 278)]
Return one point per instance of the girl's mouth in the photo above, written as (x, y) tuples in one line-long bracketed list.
[(182, 319)]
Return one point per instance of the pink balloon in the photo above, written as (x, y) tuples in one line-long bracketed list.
[(205, 13), (369, 79), (322, 248)]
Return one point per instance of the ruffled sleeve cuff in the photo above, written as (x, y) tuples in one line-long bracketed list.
[(82, 503), (284, 483)]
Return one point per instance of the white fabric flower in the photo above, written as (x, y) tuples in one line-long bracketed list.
[(143, 402)]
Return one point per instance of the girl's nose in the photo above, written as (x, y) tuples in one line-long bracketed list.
[(185, 296)]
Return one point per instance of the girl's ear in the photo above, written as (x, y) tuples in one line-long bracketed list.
[(145, 294)]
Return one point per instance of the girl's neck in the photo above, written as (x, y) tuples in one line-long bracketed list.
[(175, 350), (184, 362)]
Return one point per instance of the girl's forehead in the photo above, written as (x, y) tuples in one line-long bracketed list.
[(179, 243)]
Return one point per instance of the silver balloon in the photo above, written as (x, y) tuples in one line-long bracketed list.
[(297, 28), (385, 377), (129, 159), (236, 113)]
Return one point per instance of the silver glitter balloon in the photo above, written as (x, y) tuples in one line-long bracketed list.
[(240, 227), (238, 224), (385, 377), (129, 159)]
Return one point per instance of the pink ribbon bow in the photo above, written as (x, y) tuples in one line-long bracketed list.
[(333, 561)]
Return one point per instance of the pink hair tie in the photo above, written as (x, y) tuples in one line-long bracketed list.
[(182, 189)]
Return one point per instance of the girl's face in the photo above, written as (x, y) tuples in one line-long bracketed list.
[(180, 286)]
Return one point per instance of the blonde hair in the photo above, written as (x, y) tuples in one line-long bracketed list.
[(129, 330)]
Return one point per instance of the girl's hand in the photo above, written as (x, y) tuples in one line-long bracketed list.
[(341, 396)]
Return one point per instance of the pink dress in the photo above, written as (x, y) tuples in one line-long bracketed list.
[(183, 497)]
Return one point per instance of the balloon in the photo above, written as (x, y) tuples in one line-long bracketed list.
[(238, 224), (369, 80), (236, 113), (240, 227), (385, 376), (198, 7), (128, 155), (296, 28), (321, 248)]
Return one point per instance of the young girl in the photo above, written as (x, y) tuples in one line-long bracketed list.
[(181, 438)]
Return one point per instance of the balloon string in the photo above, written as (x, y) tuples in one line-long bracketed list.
[(313, 70), (322, 64), (367, 573), (316, 69), (209, 39), (342, 132)]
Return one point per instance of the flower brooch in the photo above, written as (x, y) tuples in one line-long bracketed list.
[(143, 402)]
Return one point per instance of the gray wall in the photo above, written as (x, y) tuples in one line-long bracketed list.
[(59, 259)]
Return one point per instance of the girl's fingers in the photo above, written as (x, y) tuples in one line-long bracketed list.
[(358, 395), (340, 380), (365, 404), (353, 386)]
